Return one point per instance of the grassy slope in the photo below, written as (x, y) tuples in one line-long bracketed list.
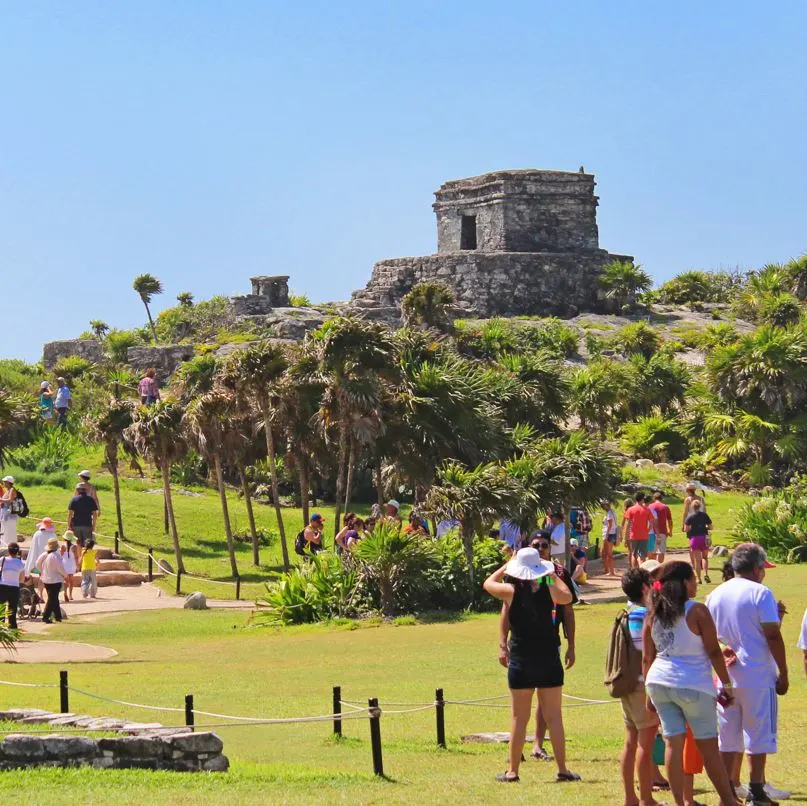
[(289, 672)]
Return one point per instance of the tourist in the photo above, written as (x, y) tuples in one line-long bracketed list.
[(802, 644), (698, 525), (347, 526), (511, 533), (313, 533), (557, 535), (610, 537), (88, 563), (357, 533), (52, 575), (46, 402), (624, 529), (640, 522), (664, 525), (45, 530), (70, 555), (578, 561), (582, 527), (12, 575), (84, 475), (530, 588), (82, 514), (147, 388), (391, 511), (564, 618), (680, 649), (8, 512), (641, 724), (64, 400), (416, 525), (691, 496), (748, 622)]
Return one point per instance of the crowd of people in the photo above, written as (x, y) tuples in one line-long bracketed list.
[(706, 675)]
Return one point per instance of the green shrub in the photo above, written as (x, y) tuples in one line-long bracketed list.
[(18, 377), (699, 286), (638, 338), (50, 452), (72, 367), (780, 310), (554, 336), (654, 437), (719, 335), (118, 342), (190, 471), (198, 323), (299, 300)]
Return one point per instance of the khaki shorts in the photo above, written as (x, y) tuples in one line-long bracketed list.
[(661, 543), (635, 713)]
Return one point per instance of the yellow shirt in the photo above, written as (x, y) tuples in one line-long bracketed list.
[(88, 561)]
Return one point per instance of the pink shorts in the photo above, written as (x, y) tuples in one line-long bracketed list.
[(698, 543)]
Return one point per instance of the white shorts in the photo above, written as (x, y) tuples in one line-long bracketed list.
[(750, 723), (661, 543)]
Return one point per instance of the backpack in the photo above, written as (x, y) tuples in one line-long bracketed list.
[(623, 663), (19, 506), (300, 543)]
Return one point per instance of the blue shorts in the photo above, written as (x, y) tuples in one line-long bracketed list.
[(677, 706)]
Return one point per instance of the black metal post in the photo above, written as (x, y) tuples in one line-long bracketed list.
[(64, 703), (117, 542), (179, 578), (237, 587), (151, 564), (189, 711), (337, 709), (597, 549), (439, 707), (375, 735)]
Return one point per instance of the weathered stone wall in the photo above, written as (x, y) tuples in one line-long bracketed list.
[(164, 358), (496, 284), (89, 349), (251, 305)]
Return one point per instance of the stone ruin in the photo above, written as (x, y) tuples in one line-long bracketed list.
[(268, 292), (509, 243)]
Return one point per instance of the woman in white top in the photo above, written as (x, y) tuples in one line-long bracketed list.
[(8, 516), (680, 649), (69, 555), (52, 575), (11, 575), (610, 537)]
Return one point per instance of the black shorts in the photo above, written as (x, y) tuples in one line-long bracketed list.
[(543, 672)]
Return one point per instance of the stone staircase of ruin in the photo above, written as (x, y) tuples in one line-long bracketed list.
[(112, 570)]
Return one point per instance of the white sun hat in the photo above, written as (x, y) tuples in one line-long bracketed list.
[(44, 385), (85, 474), (393, 503), (528, 565), (9, 479)]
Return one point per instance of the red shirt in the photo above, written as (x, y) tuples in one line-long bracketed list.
[(663, 517), (641, 522)]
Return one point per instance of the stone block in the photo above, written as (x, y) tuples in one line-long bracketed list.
[(132, 747), (219, 763), (195, 601), (70, 747), (88, 349), (39, 719), (20, 747), (195, 743), (18, 714), (165, 358)]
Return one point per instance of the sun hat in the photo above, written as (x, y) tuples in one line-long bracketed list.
[(84, 474), (44, 385), (572, 541), (650, 566), (9, 479), (691, 486), (393, 503), (45, 523), (68, 535), (53, 541), (528, 565)]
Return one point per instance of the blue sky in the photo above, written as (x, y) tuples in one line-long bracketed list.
[(205, 142)]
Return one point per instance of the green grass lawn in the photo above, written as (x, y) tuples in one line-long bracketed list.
[(231, 669)]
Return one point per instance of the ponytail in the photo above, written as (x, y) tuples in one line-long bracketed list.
[(670, 593)]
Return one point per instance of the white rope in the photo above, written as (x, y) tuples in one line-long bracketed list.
[(428, 707), (284, 720), (590, 702), (127, 704), (29, 685), (351, 705), (477, 704)]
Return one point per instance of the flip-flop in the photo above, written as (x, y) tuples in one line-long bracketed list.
[(540, 755), (504, 778), (661, 786), (563, 777)]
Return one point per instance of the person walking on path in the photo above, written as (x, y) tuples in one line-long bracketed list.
[(691, 497), (530, 587), (610, 537), (680, 650), (802, 644), (84, 475), (69, 555), (82, 514), (640, 522), (46, 402), (52, 574), (45, 530), (12, 574), (148, 389), (664, 525), (557, 538), (88, 562), (8, 514), (698, 525), (64, 400), (748, 623)]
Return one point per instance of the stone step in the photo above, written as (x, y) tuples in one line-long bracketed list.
[(113, 565), (107, 578), (101, 553)]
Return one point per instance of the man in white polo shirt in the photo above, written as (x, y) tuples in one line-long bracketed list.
[(557, 541), (747, 619)]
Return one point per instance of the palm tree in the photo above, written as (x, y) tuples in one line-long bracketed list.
[(197, 376), (147, 285), (427, 304), (621, 279), (185, 299), (16, 418), (99, 327), (211, 422), (598, 393), (157, 433), (255, 373), (110, 425)]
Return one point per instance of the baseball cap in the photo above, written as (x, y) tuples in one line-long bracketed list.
[(317, 517)]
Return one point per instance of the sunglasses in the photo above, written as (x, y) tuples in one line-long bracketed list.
[(543, 545)]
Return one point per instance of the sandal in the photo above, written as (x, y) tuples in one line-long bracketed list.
[(708, 581), (540, 755), (567, 776), (661, 786), (504, 778)]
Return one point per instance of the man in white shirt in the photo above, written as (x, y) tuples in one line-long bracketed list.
[(803, 640), (747, 619), (557, 539)]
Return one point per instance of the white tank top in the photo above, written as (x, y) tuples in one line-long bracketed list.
[(681, 660)]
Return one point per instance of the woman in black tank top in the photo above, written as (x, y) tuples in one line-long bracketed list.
[(530, 588)]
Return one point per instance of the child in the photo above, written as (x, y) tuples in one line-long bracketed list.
[(88, 565), (69, 554), (578, 561)]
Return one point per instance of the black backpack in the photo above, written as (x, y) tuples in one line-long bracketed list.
[(300, 543), (19, 506)]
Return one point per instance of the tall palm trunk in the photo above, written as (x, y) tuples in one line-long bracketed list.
[(302, 471), (351, 461), (379, 484), (270, 450), (169, 505), (112, 464), (225, 511), (341, 472), (242, 473), (151, 322)]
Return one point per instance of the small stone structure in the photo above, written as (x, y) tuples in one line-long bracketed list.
[(509, 243), (268, 292), (165, 358), (89, 349)]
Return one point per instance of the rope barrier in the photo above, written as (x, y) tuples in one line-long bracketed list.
[(29, 685), (127, 704)]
